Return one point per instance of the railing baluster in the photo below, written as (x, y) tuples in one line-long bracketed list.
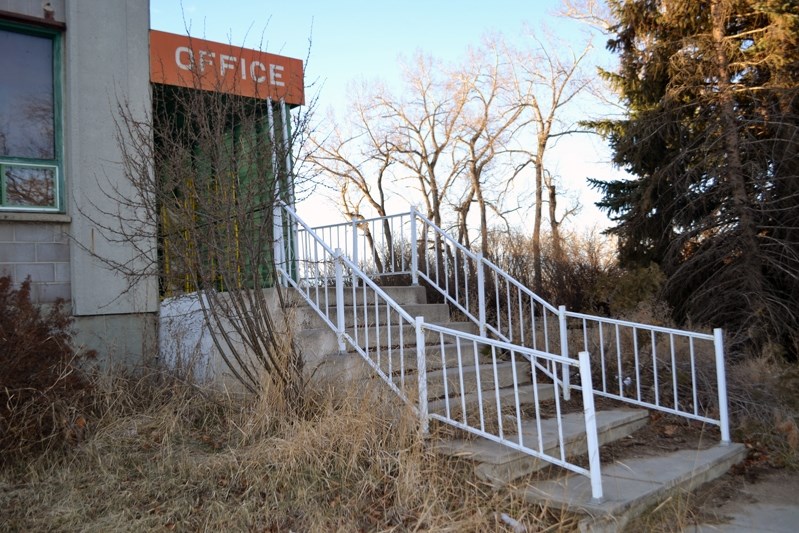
[(655, 369), (496, 391), (564, 350), (674, 371), (592, 440), (481, 295), (445, 374), (620, 375), (721, 383), (637, 364), (602, 359), (414, 250), (517, 406), (479, 389), (693, 377), (460, 374), (340, 302), (421, 377)]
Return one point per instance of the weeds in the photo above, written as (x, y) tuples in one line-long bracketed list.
[(42, 392), (163, 454)]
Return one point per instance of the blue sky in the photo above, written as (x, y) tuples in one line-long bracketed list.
[(354, 40)]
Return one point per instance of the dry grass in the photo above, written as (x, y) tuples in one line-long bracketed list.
[(160, 454)]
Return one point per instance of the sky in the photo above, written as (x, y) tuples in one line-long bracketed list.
[(345, 41)]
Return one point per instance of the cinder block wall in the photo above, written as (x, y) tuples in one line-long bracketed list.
[(38, 250)]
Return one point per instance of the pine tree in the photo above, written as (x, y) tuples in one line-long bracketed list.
[(711, 137)]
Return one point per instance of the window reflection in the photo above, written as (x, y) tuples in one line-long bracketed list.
[(29, 186), (26, 96)]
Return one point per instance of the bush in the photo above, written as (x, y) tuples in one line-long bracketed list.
[(41, 389)]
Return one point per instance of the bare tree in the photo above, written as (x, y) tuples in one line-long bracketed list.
[(460, 134), (545, 83), (424, 132), (357, 154), (208, 170), (487, 124)]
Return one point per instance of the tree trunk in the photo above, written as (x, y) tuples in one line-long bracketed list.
[(538, 284), (752, 275), (557, 248)]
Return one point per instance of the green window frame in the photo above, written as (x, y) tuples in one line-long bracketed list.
[(43, 176)]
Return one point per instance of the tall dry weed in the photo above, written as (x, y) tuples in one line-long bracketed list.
[(162, 454)]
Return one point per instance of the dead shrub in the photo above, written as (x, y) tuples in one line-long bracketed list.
[(41, 389), (166, 455)]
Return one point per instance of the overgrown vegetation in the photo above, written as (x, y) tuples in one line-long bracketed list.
[(163, 455), (42, 393)]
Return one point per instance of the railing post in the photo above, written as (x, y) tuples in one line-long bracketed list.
[(414, 249), (721, 379), (340, 302), (354, 249), (592, 440), (421, 374), (564, 351), (481, 294)]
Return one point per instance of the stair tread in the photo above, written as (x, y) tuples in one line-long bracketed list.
[(458, 326), (487, 451), (634, 483), (526, 397), (469, 369)]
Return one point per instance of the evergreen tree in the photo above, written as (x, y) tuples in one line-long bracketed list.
[(711, 137)]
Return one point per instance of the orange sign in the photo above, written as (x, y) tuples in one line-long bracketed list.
[(196, 63)]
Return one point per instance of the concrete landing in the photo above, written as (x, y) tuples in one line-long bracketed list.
[(633, 485), (500, 465)]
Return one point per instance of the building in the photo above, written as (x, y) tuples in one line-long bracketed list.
[(69, 69)]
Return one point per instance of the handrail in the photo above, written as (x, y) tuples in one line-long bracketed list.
[(331, 307), (359, 327), (671, 370), (530, 323)]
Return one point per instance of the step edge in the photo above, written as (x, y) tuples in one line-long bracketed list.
[(506, 455), (730, 454)]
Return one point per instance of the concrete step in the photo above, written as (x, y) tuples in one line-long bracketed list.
[(488, 379), (507, 399), (633, 485), (326, 295), (307, 318), (393, 359), (470, 354), (319, 342), (500, 465)]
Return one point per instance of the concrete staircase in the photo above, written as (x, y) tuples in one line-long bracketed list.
[(631, 485)]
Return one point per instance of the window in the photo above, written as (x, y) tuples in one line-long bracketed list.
[(30, 151)]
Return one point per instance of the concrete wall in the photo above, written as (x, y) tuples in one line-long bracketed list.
[(39, 250), (105, 61), (107, 57)]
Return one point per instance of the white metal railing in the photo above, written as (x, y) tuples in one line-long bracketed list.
[(368, 321), (361, 314), (670, 370), (675, 371), (501, 419)]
